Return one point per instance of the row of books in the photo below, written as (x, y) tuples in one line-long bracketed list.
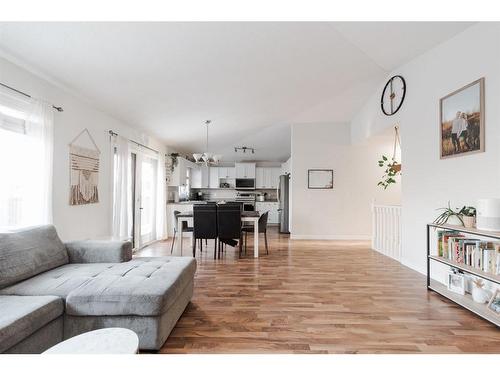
[(473, 252)]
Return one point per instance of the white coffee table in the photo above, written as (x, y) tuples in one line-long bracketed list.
[(101, 341)]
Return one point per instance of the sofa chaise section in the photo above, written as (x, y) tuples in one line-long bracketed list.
[(101, 286), (147, 295)]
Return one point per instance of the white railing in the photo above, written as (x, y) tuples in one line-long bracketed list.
[(386, 231)]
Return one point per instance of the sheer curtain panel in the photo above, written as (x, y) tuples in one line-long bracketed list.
[(26, 157), (122, 188)]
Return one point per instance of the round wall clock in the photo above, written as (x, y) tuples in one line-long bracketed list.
[(393, 95)]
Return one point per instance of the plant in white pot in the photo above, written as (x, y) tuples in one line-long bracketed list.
[(479, 294), (468, 216), (449, 216)]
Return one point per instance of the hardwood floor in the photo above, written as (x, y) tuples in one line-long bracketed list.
[(318, 297)]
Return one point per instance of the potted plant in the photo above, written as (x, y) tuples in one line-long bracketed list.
[(392, 169), (449, 216), (479, 294), (468, 216), (173, 161)]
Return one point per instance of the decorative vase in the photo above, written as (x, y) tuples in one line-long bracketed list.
[(469, 221), (480, 295), (454, 220)]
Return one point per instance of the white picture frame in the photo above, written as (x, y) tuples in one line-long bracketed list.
[(320, 179), (456, 283), (494, 304)]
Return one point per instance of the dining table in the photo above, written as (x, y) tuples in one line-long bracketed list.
[(246, 217)]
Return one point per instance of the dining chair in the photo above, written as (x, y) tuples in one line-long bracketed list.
[(262, 229), (229, 224), (184, 228), (205, 224)]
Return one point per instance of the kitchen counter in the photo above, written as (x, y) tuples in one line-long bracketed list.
[(187, 202)]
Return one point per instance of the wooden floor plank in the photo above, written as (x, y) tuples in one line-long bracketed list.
[(318, 297)]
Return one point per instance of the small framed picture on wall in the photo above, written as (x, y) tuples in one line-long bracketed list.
[(320, 179)]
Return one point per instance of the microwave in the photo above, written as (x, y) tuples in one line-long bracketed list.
[(245, 184)]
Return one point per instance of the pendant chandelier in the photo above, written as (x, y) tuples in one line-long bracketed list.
[(206, 158)]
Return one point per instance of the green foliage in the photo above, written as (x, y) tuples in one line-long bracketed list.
[(468, 211), (175, 161), (447, 213), (391, 171)]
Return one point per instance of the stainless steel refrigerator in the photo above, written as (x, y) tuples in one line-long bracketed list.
[(284, 204)]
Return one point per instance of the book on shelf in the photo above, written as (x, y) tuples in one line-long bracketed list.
[(473, 252)]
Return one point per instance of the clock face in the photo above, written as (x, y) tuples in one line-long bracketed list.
[(393, 95)]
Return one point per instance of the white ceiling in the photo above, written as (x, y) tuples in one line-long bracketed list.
[(251, 79)]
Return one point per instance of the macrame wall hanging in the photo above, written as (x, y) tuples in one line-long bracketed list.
[(84, 172)]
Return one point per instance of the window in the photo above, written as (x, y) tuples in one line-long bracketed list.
[(25, 163)]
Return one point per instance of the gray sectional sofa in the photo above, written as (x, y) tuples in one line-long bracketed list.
[(50, 291)]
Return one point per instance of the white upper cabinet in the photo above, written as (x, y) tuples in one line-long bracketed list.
[(226, 173), (200, 177), (267, 178), (275, 181), (179, 175), (259, 177), (214, 178), (245, 170)]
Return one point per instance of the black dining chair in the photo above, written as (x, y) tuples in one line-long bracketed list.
[(229, 224), (205, 224), (184, 228), (262, 229)]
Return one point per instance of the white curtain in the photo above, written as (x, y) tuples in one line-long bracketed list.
[(122, 185), (161, 200), (26, 157)]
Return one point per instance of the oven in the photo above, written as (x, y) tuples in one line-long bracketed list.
[(247, 199)]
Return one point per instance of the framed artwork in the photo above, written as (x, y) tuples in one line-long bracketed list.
[(320, 179), (461, 121), (494, 304), (456, 283)]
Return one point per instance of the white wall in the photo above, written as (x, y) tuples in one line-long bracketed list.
[(343, 212), (75, 222), (428, 182)]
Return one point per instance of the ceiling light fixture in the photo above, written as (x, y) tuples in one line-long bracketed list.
[(244, 149), (207, 158)]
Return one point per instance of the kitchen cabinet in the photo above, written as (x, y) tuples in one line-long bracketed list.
[(226, 173), (200, 177), (245, 170), (259, 178), (267, 178), (275, 177), (272, 208), (179, 175), (214, 178)]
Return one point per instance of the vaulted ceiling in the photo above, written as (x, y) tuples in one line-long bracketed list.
[(251, 79)]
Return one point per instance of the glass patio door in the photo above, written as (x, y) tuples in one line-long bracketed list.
[(144, 198)]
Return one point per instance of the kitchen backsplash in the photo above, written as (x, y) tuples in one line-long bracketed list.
[(216, 194)]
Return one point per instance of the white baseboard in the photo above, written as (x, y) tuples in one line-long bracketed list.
[(421, 270), (346, 237)]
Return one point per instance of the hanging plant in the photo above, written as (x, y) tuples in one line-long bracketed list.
[(392, 168), (173, 160)]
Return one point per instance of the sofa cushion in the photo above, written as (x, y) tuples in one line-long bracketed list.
[(21, 316), (143, 286), (60, 281), (28, 252)]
